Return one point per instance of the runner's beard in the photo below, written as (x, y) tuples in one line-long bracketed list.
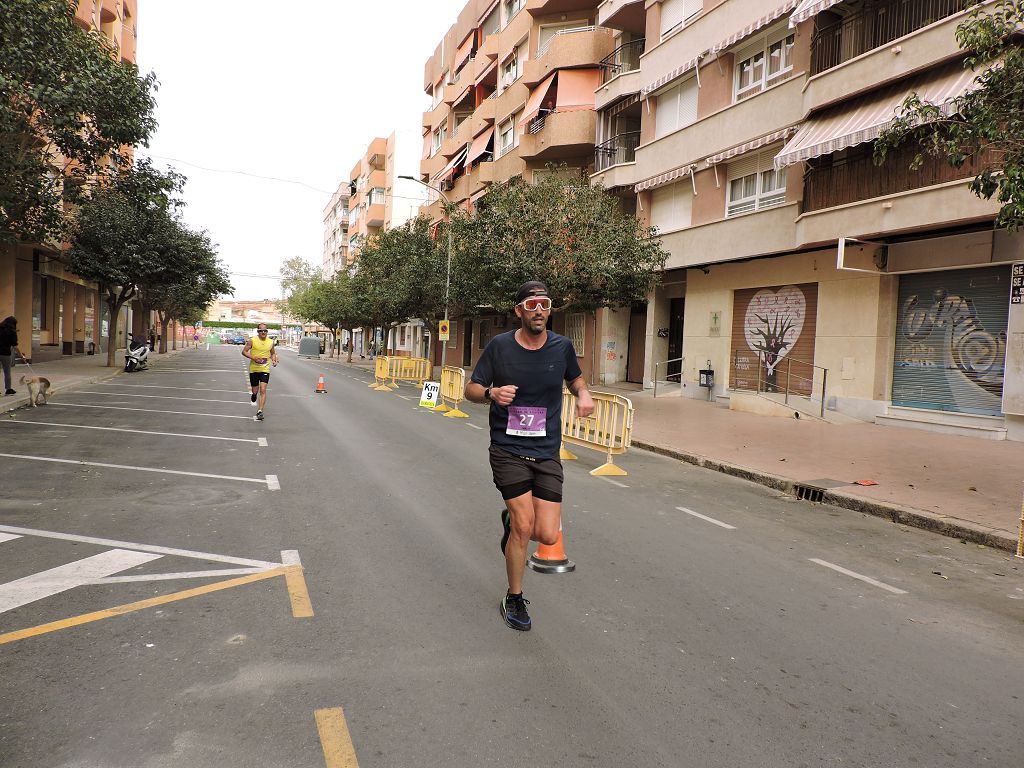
[(528, 325)]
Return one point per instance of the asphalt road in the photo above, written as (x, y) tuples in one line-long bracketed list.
[(678, 641)]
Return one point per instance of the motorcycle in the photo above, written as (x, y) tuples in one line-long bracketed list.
[(136, 356)]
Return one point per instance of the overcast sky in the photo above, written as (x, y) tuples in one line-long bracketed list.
[(288, 90)]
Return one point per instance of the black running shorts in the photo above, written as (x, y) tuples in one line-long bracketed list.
[(516, 475), (255, 377)]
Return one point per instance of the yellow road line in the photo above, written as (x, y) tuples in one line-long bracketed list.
[(302, 607), (335, 739), (86, 618)]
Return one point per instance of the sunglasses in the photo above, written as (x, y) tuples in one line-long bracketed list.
[(535, 303), (261, 332)]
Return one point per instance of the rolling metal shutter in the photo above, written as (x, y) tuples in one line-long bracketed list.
[(951, 340)]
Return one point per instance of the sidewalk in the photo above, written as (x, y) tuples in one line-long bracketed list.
[(66, 373), (960, 486)]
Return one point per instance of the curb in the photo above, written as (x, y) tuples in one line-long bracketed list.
[(915, 518)]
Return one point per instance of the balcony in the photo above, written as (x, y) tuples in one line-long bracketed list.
[(856, 177), (617, 150), (629, 15), (625, 58), (581, 47), (375, 215), (559, 135), (546, 7), (877, 23), (756, 234)]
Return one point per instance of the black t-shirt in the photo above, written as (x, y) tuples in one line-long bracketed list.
[(8, 339), (539, 374)]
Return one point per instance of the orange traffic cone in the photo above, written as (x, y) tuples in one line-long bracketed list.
[(321, 388), (551, 558)]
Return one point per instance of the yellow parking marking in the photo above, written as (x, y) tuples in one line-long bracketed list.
[(295, 580), (335, 739), (120, 610)]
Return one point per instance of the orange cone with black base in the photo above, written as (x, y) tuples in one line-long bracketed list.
[(321, 388), (551, 558)]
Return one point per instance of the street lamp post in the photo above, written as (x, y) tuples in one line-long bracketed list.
[(448, 271)]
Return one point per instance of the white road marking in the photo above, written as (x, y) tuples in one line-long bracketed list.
[(290, 557), (64, 577), (474, 426), (861, 577), (261, 442), (8, 537), (404, 397), (263, 564), (138, 431), (615, 482), (192, 370), (217, 573), (158, 397), (708, 519), (147, 410), (272, 483), (159, 386), (140, 469)]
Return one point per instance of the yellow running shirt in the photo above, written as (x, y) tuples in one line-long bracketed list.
[(260, 348)]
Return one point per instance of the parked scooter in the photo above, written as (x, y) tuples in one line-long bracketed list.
[(136, 356)]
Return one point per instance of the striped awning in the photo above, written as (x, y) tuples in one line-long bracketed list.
[(757, 26), (864, 118), (749, 146), (449, 170), (808, 8), (668, 78), (666, 178)]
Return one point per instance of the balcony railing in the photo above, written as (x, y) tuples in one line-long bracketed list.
[(858, 178), (878, 22), (562, 32), (625, 58), (537, 124), (618, 149)]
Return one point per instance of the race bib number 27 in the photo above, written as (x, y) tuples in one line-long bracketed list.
[(524, 421)]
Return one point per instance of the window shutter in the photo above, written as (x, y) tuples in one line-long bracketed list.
[(666, 118), (672, 206), (691, 7), (688, 103), (746, 165), (750, 50), (672, 14)]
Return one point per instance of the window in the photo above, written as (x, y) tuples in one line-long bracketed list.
[(755, 184), (492, 23), (675, 14), (512, 67), (764, 63), (677, 108), (575, 331), (437, 93), (548, 33), (672, 206), (460, 118), (485, 333), (507, 136), (377, 196), (453, 334), (512, 7)]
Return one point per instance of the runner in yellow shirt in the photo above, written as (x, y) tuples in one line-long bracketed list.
[(262, 355)]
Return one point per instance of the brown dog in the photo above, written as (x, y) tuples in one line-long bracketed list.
[(38, 387)]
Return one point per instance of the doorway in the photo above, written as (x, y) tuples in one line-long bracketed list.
[(675, 338), (467, 344), (637, 337)]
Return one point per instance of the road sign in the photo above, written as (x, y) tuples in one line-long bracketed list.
[(431, 391), (443, 330)]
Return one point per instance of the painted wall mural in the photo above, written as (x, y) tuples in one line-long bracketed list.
[(951, 340), (773, 337)]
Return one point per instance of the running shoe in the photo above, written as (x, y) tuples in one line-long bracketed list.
[(252, 398), (259, 415), (507, 524), (513, 611)]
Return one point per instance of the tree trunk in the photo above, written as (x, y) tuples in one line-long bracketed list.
[(114, 307), (351, 343)]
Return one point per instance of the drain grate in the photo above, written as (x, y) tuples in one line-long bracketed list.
[(809, 493)]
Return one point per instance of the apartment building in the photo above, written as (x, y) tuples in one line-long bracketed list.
[(371, 182), (744, 130), (60, 312), (335, 258), (511, 90)]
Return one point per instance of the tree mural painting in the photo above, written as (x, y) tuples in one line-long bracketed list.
[(772, 325)]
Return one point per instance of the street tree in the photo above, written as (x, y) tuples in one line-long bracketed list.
[(329, 303), (573, 236), (67, 105), (985, 125), (297, 275), (121, 236)]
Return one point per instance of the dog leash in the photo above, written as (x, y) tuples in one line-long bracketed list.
[(26, 362)]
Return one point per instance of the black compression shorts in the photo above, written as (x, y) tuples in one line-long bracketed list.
[(516, 475), (255, 377)]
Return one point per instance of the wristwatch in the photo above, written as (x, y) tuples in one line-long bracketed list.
[(487, 394)]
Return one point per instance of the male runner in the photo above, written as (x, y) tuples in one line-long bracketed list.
[(261, 354), (521, 373)]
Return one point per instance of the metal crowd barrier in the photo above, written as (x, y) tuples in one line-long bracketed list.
[(380, 373), (453, 388), (415, 370), (607, 429)]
